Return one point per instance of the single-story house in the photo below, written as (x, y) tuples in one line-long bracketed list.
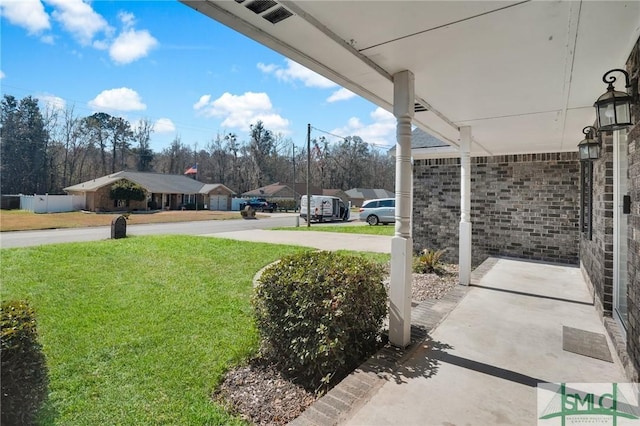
[(357, 196), (282, 191), (164, 191), (216, 196), (510, 88)]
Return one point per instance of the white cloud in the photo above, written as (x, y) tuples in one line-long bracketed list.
[(295, 72), (341, 94), (79, 19), (2, 75), (202, 102), (240, 111), (127, 19), (28, 14), (52, 102), (122, 99), (164, 125), (381, 132), (131, 45)]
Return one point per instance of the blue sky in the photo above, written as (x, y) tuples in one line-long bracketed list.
[(163, 61)]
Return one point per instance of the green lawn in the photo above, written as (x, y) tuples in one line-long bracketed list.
[(347, 229), (139, 330)]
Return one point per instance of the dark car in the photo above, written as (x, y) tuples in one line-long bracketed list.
[(259, 204)]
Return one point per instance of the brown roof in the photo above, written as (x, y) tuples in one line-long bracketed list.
[(279, 189)]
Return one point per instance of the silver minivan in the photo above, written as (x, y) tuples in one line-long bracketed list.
[(381, 210)]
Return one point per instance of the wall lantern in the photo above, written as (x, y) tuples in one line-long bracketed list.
[(614, 108), (589, 147)]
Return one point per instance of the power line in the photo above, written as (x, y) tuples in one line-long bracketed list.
[(329, 133), (345, 138)]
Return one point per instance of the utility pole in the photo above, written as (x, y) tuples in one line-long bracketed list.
[(308, 175)]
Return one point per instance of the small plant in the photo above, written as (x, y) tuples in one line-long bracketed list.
[(320, 314), (428, 261), (23, 369)]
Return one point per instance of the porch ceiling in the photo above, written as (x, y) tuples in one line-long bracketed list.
[(524, 75)]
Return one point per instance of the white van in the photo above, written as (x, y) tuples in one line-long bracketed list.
[(324, 208)]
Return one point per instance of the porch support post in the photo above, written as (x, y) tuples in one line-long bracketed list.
[(402, 243), (464, 257)]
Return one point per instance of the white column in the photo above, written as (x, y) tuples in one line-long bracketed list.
[(402, 243), (464, 257)]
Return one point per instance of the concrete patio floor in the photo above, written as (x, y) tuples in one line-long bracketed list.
[(478, 354), (481, 365)]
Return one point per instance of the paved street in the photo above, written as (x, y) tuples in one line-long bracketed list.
[(53, 236)]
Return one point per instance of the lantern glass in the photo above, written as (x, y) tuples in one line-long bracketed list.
[(589, 147), (583, 151), (614, 110)]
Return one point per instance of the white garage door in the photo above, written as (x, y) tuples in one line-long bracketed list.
[(218, 202)]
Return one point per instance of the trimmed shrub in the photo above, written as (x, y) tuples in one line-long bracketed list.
[(192, 206), (23, 369), (126, 190), (428, 261), (320, 315), (287, 205)]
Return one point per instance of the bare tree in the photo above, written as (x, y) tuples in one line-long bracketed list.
[(142, 136)]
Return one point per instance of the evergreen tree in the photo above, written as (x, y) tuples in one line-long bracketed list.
[(23, 142)]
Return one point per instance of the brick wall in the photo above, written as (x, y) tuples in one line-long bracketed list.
[(596, 253), (524, 206), (633, 260)]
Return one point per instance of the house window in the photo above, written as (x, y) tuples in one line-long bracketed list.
[(586, 198)]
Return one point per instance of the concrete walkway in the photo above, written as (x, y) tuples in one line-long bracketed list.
[(487, 348), (315, 239)]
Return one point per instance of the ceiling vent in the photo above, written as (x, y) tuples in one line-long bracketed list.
[(259, 6), (274, 14), (277, 15), (418, 107)]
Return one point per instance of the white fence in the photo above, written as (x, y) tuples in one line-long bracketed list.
[(52, 203)]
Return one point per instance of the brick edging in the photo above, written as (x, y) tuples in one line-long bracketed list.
[(348, 396)]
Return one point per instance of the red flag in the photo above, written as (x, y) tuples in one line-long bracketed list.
[(192, 170)]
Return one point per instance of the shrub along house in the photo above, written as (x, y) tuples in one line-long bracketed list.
[(164, 191), (508, 87)]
